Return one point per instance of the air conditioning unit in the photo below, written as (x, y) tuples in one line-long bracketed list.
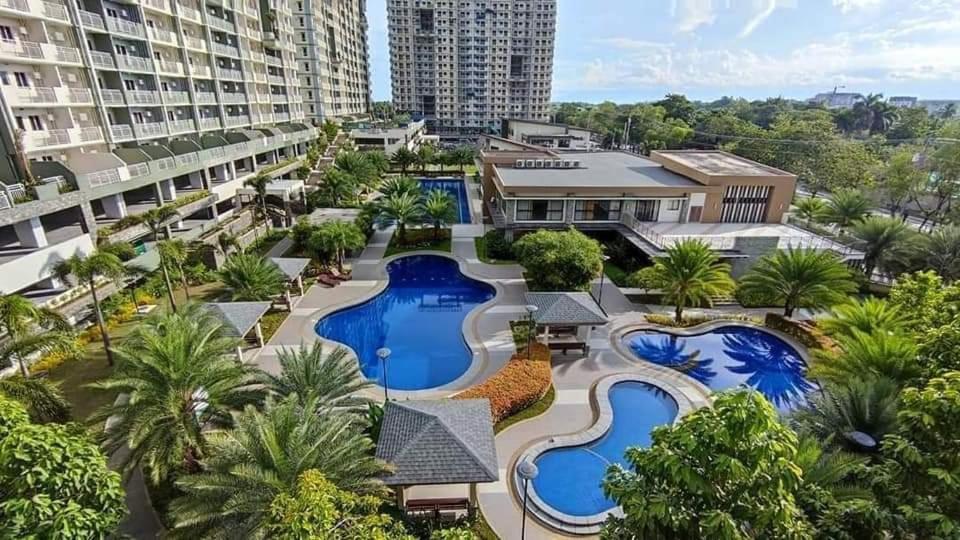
[(519, 164), (576, 163), (539, 163), (530, 163), (566, 164)]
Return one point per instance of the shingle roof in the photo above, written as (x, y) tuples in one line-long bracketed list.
[(438, 442), (576, 308), (291, 267), (238, 317)]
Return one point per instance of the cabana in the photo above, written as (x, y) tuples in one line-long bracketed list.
[(439, 451), (570, 315), (242, 320), (292, 268)]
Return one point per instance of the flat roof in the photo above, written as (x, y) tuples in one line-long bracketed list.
[(717, 163), (542, 123), (597, 170)]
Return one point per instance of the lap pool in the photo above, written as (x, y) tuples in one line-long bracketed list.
[(457, 189), (419, 317), (728, 357)]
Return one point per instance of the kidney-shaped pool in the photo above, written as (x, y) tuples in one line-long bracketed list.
[(419, 317)]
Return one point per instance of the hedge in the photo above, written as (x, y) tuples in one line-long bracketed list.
[(807, 334), (693, 319), (520, 384)]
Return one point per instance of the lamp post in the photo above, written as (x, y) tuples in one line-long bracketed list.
[(383, 353), (527, 471), (532, 328), (603, 263)]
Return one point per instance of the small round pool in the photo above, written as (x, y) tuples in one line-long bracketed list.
[(419, 317), (570, 477), (728, 357)]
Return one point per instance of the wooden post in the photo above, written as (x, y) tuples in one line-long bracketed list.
[(259, 331)]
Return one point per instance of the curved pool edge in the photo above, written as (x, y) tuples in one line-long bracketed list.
[(687, 399), (478, 352)]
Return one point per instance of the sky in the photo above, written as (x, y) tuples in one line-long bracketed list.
[(640, 50)]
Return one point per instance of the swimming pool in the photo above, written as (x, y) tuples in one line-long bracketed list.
[(419, 317), (728, 357), (456, 188), (570, 477)]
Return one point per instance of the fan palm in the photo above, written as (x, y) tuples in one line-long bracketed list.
[(262, 457), (181, 377), (337, 237), (866, 405), (846, 207), (87, 269), (439, 209), (835, 471), (259, 185), (690, 274), (18, 316), (800, 278), (400, 209), (867, 316), (877, 354), (251, 278), (812, 209), (941, 251), (883, 240), (403, 158), (400, 184), (174, 253), (334, 379)]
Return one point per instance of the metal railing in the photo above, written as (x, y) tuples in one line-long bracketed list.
[(92, 20), (79, 95), (237, 121), (225, 73), (157, 4), (102, 60), (102, 178), (273, 60), (55, 11), (165, 36), (143, 97), (205, 97), (188, 12), (221, 24), (172, 97), (176, 68), (210, 123), (138, 169), (195, 43), (5, 201), (90, 134), (180, 126), (138, 63), (112, 97), (225, 50), (152, 129), (121, 132), (123, 26)]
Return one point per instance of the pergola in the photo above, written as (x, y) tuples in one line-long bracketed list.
[(240, 319), (292, 268), (439, 451), (567, 309)]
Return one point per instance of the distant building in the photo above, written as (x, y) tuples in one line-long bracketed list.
[(903, 101), (836, 100), (389, 140), (936, 106), (549, 135)]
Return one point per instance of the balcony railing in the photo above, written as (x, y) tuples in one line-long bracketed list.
[(78, 96), (175, 68), (225, 50), (39, 51), (112, 97), (180, 126), (136, 63), (163, 36), (188, 13), (231, 74), (102, 60), (104, 178), (275, 79), (55, 11), (200, 71), (123, 26), (205, 98), (234, 97), (273, 60), (121, 132), (157, 4), (210, 123), (221, 24), (154, 129), (176, 98), (195, 43), (281, 117), (93, 20), (143, 97), (38, 140), (237, 121)]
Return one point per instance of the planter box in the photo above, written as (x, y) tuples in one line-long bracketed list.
[(47, 192)]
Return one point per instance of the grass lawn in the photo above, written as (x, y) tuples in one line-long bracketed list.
[(616, 274), (418, 239), (536, 409), (480, 243)]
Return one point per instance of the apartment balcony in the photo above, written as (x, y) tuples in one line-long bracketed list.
[(281, 117), (47, 97), (176, 98), (234, 97), (275, 79), (229, 74), (263, 98), (201, 71), (273, 61), (24, 269), (125, 27), (181, 126), (234, 121), (92, 21), (257, 56), (205, 98), (252, 9), (112, 98), (171, 68), (188, 13), (158, 5), (35, 141), (152, 129), (278, 98), (254, 34), (225, 50), (195, 43), (134, 63), (259, 76), (210, 123), (121, 132), (163, 36), (50, 10), (102, 60), (221, 24), (45, 52), (266, 119), (143, 97)]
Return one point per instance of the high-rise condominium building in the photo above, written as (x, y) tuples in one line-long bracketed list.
[(332, 58), (464, 65), (109, 109)]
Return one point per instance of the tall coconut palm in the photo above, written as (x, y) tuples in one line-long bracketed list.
[(19, 318), (425, 155), (251, 278), (334, 379), (441, 159), (867, 405), (812, 209), (181, 378), (337, 237), (800, 278), (401, 209), (846, 207), (400, 184), (874, 114), (862, 355), (87, 269), (262, 457), (691, 274), (867, 316), (883, 240), (259, 185), (439, 209), (941, 251), (174, 253), (403, 158)]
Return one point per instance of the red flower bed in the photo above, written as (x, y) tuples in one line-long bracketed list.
[(518, 385)]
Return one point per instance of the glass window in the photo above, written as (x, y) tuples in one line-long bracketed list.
[(598, 211), (674, 205), (531, 210)]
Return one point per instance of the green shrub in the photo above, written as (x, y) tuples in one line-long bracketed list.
[(807, 334), (755, 299), (498, 247), (693, 319), (559, 260)]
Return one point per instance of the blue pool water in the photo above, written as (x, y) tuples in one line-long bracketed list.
[(728, 357), (419, 317), (457, 189), (570, 477)]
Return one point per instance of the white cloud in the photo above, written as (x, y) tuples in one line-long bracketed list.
[(764, 9), (847, 6), (692, 14)]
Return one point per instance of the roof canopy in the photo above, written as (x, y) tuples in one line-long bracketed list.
[(291, 267), (448, 441), (238, 317), (566, 309)]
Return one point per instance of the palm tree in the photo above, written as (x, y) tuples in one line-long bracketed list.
[(882, 240), (691, 274), (948, 111), (181, 378), (439, 209), (251, 278), (249, 466), (800, 278), (868, 315), (19, 316), (227, 242), (87, 269), (334, 379), (401, 210), (337, 237), (835, 472), (400, 184), (812, 209), (156, 220), (425, 155), (441, 159), (862, 355), (41, 397), (378, 160), (338, 186), (403, 158), (359, 167), (259, 185), (874, 114), (865, 405), (174, 252), (462, 156), (846, 207), (941, 251)]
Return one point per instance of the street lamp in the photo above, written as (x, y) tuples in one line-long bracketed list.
[(383, 353), (527, 471), (532, 328), (603, 263)]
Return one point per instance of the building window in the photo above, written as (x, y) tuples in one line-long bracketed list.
[(674, 205), (597, 211), (539, 210)]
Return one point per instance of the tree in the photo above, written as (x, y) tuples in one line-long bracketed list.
[(403, 158), (157, 219), (900, 178), (174, 253), (846, 207), (401, 184), (359, 167), (263, 457), (724, 472), (439, 209), (18, 317), (690, 274), (879, 354), (867, 405), (868, 315), (462, 156), (812, 209), (559, 260), (251, 278), (874, 114), (181, 376), (337, 237), (885, 241), (316, 508), (41, 398), (330, 130), (87, 269), (55, 484), (259, 185), (227, 242), (677, 106), (378, 160), (333, 379), (337, 187), (935, 198), (800, 278), (400, 209), (23, 161), (425, 155), (940, 251)]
